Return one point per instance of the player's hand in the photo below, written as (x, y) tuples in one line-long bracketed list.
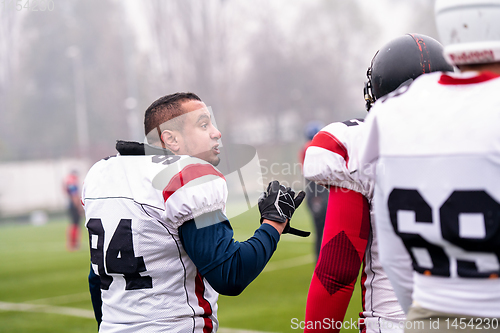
[(278, 204)]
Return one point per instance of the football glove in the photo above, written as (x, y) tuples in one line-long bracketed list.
[(278, 204)]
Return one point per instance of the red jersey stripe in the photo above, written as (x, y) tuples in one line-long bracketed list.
[(188, 174), (482, 77), (329, 142), (203, 303)]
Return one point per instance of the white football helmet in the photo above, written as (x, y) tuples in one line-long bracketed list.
[(469, 30)]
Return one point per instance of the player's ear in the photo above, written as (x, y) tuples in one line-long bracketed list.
[(171, 141)]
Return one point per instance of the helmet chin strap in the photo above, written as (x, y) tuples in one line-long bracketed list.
[(368, 97)]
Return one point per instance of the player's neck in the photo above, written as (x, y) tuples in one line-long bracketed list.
[(490, 67)]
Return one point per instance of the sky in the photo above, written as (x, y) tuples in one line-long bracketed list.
[(379, 10)]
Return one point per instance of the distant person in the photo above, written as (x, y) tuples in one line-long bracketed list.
[(160, 241), (71, 187), (316, 195)]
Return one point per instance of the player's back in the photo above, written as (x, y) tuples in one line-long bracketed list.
[(148, 282), (438, 187), (333, 159)]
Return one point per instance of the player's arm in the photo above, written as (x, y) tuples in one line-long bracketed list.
[(345, 237), (228, 265), (347, 226), (95, 295)]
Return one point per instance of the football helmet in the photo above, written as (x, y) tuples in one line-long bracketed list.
[(401, 61), (469, 30)]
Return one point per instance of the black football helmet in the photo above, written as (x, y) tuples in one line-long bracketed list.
[(401, 61)]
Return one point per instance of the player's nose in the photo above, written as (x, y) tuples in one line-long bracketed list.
[(216, 134)]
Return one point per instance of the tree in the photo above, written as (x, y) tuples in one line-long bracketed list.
[(307, 65), (40, 108)]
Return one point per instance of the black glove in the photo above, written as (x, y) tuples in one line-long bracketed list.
[(278, 204)]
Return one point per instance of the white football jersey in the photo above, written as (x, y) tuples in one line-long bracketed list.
[(133, 207), (436, 147), (334, 161)]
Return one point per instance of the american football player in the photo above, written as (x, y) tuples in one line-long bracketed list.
[(161, 246), (71, 187), (434, 150), (349, 239)]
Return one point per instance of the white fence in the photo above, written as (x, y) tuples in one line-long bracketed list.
[(36, 185)]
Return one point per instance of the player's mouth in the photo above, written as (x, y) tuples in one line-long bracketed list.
[(215, 149)]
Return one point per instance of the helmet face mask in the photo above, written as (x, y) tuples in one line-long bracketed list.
[(401, 61), (367, 91)]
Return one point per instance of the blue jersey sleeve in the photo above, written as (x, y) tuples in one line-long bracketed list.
[(229, 266), (95, 295)]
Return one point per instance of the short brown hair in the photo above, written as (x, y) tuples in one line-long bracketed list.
[(164, 109)]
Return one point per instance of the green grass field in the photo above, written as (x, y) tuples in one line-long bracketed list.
[(43, 287)]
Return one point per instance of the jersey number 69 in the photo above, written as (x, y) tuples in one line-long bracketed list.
[(477, 256)]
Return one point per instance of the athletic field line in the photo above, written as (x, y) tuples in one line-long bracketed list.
[(64, 299), (25, 307), (43, 308), (289, 263)]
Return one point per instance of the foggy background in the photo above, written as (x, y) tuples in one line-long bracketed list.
[(77, 75)]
